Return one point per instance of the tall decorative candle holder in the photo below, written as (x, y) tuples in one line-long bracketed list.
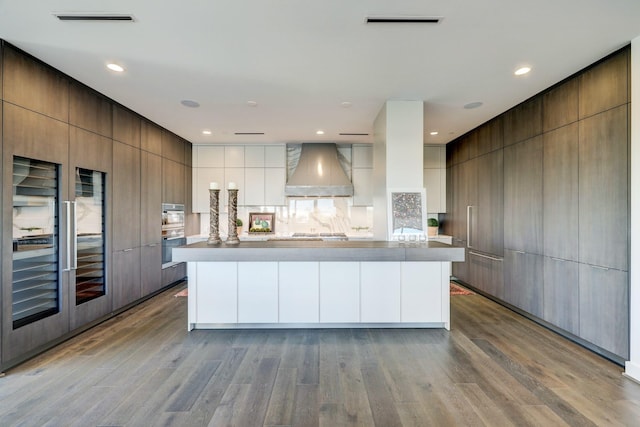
[(232, 238), (214, 203)]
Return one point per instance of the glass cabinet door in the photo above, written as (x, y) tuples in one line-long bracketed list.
[(36, 279), (89, 235)]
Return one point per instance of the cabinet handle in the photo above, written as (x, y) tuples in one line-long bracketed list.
[(469, 230), (485, 256), (558, 259), (74, 223), (519, 252), (128, 250), (152, 245), (599, 268), (67, 209)]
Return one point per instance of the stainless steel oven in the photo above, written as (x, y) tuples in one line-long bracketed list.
[(172, 230)]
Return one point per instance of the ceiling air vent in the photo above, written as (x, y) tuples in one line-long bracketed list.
[(93, 17), (403, 19), (248, 133)]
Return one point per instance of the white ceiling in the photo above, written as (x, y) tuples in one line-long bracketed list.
[(299, 59)]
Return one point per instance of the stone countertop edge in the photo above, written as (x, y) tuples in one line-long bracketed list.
[(318, 251)]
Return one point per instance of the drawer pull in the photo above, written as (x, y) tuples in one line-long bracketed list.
[(485, 256), (519, 252), (558, 259), (600, 268), (128, 250)]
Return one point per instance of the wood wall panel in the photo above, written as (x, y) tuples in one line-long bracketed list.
[(30, 134), (603, 189), (89, 110), (560, 106), (605, 86), (523, 121), (560, 183), (126, 126), (172, 147), (35, 86), (151, 137)]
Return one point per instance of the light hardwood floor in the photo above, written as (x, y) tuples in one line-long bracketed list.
[(494, 368)]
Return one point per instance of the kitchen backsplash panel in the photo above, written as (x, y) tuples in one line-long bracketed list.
[(307, 215)]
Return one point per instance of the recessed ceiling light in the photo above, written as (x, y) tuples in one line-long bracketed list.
[(345, 104), (472, 105), (319, 132), (521, 71), (190, 103), (252, 103), (206, 132), (434, 133), (115, 67)]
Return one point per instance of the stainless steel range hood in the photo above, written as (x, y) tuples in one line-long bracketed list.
[(319, 173)]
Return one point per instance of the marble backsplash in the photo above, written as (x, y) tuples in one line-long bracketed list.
[(307, 215)]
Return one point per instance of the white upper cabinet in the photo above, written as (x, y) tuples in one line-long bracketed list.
[(275, 156), (208, 156), (234, 156), (254, 156), (435, 181), (362, 156)]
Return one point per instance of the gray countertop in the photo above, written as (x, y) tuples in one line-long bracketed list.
[(291, 250)]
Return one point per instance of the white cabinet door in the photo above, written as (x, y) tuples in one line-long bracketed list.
[(234, 157), (258, 292), (433, 188), (339, 292), (363, 187), (217, 292), (254, 186), (234, 175), (299, 292), (202, 177), (433, 157), (421, 292), (274, 182), (275, 156), (208, 156), (379, 292), (254, 156), (362, 156)]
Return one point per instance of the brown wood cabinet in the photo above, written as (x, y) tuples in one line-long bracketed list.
[(523, 281), (89, 110), (605, 85), (603, 189), (522, 122), (125, 277), (173, 182), (566, 206), (560, 106), (34, 86), (523, 196), (604, 308), (150, 137), (150, 268), (560, 199), (150, 198), (126, 126), (489, 208), (172, 147), (126, 197), (562, 294)]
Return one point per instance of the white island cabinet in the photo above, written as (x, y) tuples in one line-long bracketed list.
[(315, 284)]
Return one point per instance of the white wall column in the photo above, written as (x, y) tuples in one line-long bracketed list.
[(397, 155), (632, 367)]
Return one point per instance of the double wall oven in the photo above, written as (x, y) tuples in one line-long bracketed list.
[(172, 231)]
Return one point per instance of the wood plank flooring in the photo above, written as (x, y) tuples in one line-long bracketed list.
[(494, 368)]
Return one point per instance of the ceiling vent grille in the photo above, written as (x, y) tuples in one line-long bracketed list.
[(93, 17), (248, 133), (403, 19)]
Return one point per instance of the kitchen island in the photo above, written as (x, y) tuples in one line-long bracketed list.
[(318, 284)]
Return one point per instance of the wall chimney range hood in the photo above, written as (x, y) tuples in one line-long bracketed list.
[(319, 173)]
